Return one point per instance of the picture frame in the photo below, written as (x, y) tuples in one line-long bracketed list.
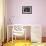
[(26, 9)]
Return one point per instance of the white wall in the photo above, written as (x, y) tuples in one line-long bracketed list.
[(38, 15), (1, 20)]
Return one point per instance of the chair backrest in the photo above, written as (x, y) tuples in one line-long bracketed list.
[(18, 30)]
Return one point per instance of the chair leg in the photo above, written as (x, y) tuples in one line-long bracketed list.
[(2, 44), (25, 36), (15, 38), (12, 36)]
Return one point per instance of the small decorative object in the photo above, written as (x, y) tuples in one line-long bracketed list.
[(26, 9)]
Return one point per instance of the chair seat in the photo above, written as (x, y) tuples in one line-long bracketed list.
[(18, 33)]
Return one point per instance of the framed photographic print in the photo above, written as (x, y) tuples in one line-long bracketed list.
[(26, 9)]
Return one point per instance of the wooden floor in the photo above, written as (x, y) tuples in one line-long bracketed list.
[(18, 43), (23, 43)]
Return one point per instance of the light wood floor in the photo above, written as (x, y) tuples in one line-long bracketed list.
[(23, 43), (18, 43)]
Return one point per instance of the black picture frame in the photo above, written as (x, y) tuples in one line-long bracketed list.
[(26, 9)]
